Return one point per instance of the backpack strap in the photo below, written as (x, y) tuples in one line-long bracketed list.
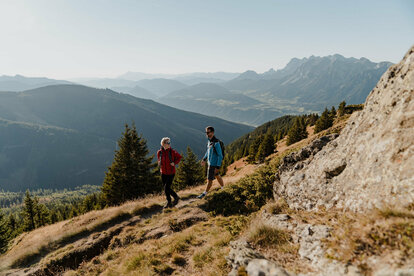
[(215, 140)]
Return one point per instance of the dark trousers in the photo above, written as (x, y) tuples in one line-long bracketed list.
[(167, 181)]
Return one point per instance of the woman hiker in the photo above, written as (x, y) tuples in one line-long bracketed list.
[(167, 159)]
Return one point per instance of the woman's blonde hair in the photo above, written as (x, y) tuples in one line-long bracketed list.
[(165, 139)]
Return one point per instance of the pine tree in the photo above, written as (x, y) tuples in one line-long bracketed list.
[(333, 112), (266, 148), (324, 122), (298, 131), (4, 233), (41, 213), (12, 224), (189, 173), (341, 109), (131, 174), (254, 147), (29, 213), (312, 118)]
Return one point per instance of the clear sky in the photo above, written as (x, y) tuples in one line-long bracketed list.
[(99, 38)]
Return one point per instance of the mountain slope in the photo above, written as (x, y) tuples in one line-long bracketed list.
[(160, 87), (215, 100), (135, 91), (311, 84), (21, 83), (94, 118)]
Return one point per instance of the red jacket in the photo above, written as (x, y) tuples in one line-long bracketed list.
[(164, 155)]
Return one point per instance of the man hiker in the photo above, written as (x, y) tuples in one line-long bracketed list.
[(214, 157), (167, 159)]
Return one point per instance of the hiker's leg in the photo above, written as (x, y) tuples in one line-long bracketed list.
[(166, 187), (170, 181), (220, 180), (209, 184)]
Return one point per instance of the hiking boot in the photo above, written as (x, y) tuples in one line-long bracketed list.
[(175, 202), (202, 195), (168, 205)]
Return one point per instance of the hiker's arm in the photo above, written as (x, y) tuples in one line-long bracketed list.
[(205, 156), (219, 154), (158, 158), (177, 157)]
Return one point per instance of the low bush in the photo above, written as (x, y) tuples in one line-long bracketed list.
[(245, 196)]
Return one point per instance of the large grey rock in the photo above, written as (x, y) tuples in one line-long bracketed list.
[(261, 267), (241, 253), (371, 163)]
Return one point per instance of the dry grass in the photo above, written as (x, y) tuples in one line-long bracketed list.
[(382, 233), (197, 250), (266, 236)]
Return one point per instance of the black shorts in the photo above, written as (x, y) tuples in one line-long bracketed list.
[(211, 172)]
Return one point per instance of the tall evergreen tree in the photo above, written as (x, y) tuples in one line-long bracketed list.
[(333, 112), (4, 233), (131, 174), (29, 213), (12, 223), (341, 109), (324, 122), (189, 173), (41, 213), (254, 147), (298, 131), (266, 148)]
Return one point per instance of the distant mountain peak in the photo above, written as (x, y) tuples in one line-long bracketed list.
[(249, 75)]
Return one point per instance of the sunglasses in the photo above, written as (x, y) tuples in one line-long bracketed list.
[(168, 143), (207, 132)]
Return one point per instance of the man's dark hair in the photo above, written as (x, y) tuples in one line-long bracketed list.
[(210, 129)]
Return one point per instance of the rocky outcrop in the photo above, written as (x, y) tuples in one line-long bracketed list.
[(371, 163), (242, 255)]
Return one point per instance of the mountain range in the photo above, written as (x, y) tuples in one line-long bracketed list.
[(303, 86), (63, 136), (20, 83)]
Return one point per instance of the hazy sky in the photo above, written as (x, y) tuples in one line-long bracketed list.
[(98, 38)]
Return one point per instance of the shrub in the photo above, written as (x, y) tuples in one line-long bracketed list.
[(178, 260), (246, 196)]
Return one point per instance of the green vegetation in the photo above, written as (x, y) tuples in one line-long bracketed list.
[(324, 122), (189, 173), (266, 148), (132, 173), (297, 132), (246, 196), (248, 144), (4, 233)]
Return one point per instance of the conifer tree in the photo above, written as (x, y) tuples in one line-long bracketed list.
[(131, 174), (29, 213), (312, 118), (298, 131), (254, 147), (324, 122), (333, 112), (12, 224), (4, 233), (41, 213), (189, 173), (341, 109), (266, 148)]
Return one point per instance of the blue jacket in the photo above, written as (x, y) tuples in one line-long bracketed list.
[(213, 158)]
